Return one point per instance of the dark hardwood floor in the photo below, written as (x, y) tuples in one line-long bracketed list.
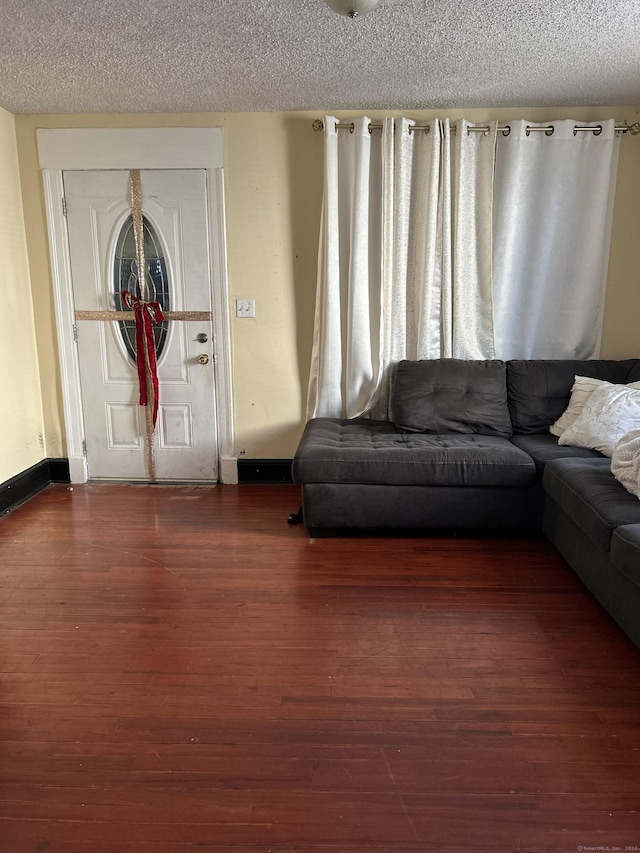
[(183, 671)]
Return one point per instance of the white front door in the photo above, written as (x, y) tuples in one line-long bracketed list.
[(174, 205)]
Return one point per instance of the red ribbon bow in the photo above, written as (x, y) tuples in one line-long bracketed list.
[(147, 313)]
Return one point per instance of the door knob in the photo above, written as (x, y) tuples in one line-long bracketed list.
[(202, 338), (204, 358)]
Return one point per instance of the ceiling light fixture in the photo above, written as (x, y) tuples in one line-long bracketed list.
[(352, 8)]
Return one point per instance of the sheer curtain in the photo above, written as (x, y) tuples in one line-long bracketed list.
[(553, 206), (451, 242)]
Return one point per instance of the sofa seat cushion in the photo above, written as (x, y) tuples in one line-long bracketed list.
[(366, 451), (543, 447), (587, 491), (625, 551)]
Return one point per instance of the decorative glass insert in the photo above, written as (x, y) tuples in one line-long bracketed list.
[(125, 277)]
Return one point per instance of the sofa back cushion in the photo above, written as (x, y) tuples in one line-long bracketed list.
[(634, 373), (450, 395), (539, 389)]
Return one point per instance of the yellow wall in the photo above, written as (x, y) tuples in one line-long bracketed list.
[(21, 426), (273, 174)]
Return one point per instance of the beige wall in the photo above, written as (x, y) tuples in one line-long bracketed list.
[(21, 426), (273, 174)]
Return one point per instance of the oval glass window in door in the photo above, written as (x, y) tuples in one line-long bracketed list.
[(125, 277)]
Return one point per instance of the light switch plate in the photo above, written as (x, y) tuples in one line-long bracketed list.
[(245, 308)]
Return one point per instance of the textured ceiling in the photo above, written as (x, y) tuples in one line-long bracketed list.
[(62, 56)]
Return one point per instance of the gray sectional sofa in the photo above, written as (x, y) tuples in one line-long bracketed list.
[(467, 446)]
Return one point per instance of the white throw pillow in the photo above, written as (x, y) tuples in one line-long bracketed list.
[(610, 412), (582, 389), (625, 462)]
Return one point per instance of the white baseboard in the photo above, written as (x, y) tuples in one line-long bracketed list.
[(229, 470), (78, 471)]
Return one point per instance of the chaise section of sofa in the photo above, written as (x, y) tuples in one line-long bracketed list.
[(443, 459), (365, 474)]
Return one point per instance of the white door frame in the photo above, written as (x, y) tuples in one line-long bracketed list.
[(135, 148)]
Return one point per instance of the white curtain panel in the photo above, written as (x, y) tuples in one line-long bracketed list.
[(416, 246), (469, 333), (437, 253), (345, 365), (553, 206)]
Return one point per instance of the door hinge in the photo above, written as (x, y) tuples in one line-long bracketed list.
[(75, 333), (84, 447), (64, 206)]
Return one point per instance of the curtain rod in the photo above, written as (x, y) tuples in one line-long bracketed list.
[(634, 129)]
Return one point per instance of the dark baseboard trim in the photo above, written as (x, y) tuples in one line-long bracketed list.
[(59, 470), (264, 471), (23, 486)]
